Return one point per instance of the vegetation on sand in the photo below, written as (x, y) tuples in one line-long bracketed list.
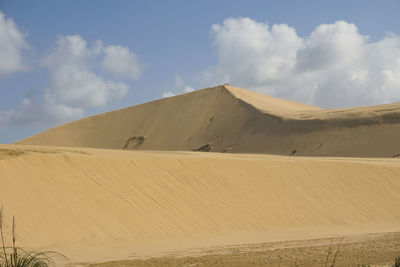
[(13, 256)]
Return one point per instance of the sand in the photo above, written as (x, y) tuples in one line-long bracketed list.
[(100, 204), (361, 250), (234, 120), (127, 184)]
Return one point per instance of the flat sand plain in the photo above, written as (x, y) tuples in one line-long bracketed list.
[(96, 205), (361, 250)]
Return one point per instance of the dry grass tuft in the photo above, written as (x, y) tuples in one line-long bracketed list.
[(14, 256)]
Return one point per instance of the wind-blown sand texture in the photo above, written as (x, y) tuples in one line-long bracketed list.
[(97, 205), (110, 186), (229, 119)]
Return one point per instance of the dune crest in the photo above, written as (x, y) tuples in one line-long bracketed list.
[(229, 119)]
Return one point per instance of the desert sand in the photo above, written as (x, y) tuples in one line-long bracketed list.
[(361, 250), (230, 119), (134, 183), (96, 205)]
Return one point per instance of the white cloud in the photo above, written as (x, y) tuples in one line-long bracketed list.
[(29, 113), (12, 43), (180, 88), (120, 60), (75, 85), (181, 85), (335, 66), (168, 94)]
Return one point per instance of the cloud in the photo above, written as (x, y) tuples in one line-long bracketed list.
[(30, 113), (12, 43), (168, 94), (120, 60), (76, 84), (335, 66), (180, 88)]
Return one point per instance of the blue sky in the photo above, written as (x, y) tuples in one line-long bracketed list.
[(311, 55)]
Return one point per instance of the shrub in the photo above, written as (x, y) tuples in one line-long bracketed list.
[(13, 256), (397, 262)]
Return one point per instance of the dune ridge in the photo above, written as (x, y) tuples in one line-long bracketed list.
[(111, 203), (229, 119), (112, 186)]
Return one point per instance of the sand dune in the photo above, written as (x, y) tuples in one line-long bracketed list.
[(229, 119), (94, 204), (72, 195)]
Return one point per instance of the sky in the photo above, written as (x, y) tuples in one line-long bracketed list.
[(65, 60)]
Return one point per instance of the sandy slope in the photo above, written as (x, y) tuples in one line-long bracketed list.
[(229, 119), (94, 204)]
